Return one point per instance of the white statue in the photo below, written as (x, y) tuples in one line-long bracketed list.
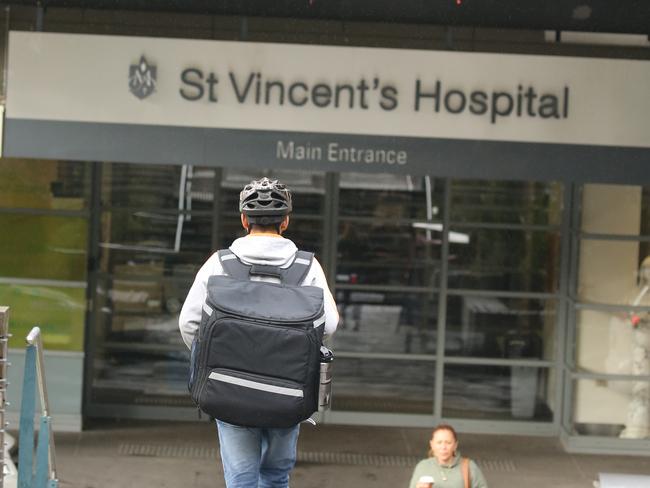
[(637, 424)]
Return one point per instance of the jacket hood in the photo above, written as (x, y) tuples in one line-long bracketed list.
[(269, 250)]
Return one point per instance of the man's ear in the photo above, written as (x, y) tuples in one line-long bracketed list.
[(244, 222), (284, 224)]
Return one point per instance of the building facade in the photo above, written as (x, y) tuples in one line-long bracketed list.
[(479, 199)]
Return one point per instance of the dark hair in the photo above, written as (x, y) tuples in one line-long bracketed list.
[(446, 427), (265, 228)]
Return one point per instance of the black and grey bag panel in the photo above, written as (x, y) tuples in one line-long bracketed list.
[(256, 358)]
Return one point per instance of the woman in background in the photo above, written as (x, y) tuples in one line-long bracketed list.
[(445, 468)]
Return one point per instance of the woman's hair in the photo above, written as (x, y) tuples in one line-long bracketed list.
[(442, 427)]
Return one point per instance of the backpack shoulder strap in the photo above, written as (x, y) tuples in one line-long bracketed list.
[(232, 265), (465, 469), (295, 274)]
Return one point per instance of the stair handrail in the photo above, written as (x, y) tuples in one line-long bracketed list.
[(34, 338), (45, 475), (4, 338)]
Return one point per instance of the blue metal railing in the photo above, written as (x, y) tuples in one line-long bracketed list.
[(42, 473), (4, 338)]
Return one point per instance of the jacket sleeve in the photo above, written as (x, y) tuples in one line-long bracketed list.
[(190, 316), (316, 277), (477, 480)]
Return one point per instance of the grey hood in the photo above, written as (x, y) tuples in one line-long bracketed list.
[(269, 250)]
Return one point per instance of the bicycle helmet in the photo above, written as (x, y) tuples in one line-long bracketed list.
[(265, 201)]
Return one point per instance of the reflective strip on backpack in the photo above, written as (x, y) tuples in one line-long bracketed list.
[(256, 385), (302, 261), (227, 257), (319, 321), (207, 310)]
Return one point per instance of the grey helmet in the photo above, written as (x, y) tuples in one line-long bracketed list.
[(265, 201)]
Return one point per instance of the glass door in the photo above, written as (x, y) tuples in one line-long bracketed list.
[(157, 226), (387, 281), (502, 295), (448, 292), (155, 229)]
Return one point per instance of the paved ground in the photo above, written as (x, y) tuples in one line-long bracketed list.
[(143, 455)]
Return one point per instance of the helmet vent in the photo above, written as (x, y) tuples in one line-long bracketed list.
[(265, 197)]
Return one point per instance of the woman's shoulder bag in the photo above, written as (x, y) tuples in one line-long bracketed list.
[(464, 466)]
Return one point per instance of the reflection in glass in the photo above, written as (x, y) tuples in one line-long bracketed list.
[(612, 408), (148, 284), (155, 231), (157, 187), (508, 260), (497, 392), (139, 355), (516, 202), (43, 247), (387, 253), (382, 385), (613, 342), (389, 197), (58, 311), (139, 377), (42, 184), (389, 322), (500, 327)]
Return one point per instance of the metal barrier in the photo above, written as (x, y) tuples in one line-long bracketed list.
[(45, 469), (4, 338)]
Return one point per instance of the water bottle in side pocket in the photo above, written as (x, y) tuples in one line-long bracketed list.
[(325, 387)]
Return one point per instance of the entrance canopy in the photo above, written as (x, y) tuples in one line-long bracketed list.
[(624, 16)]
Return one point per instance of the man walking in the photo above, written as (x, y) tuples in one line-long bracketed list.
[(257, 456)]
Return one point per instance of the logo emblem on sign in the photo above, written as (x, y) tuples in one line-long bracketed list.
[(142, 78)]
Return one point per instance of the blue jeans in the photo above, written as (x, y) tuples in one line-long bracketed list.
[(255, 457)]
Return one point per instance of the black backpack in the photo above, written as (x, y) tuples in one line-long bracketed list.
[(255, 360)]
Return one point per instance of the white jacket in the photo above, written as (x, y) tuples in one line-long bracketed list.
[(253, 249)]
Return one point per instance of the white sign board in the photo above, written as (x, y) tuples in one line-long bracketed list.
[(323, 89)]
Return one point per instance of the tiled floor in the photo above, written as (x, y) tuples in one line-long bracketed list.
[(185, 455)]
